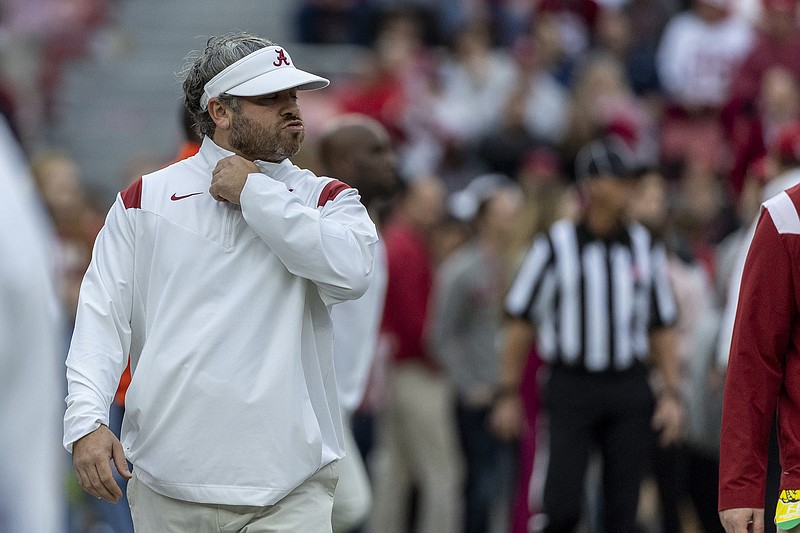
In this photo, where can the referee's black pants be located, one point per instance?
(608, 412)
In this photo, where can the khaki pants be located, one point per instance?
(306, 508)
(418, 445)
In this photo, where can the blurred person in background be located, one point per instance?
(594, 294)
(417, 435)
(686, 472)
(697, 55)
(634, 47)
(76, 222)
(544, 101)
(476, 83)
(31, 355)
(534, 118)
(747, 207)
(357, 150)
(394, 61)
(237, 383)
(399, 67)
(775, 47)
(603, 101)
(550, 47)
(575, 23)
(752, 132)
(702, 198)
(464, 329)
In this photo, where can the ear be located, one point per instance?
(220, 114)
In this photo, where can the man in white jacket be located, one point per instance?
(358, 150)
(217, 274)
(31, 328)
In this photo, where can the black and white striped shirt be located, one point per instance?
(594, 300)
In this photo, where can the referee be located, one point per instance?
(595, 295)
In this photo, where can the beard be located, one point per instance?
(256, 142)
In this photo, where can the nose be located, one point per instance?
(289, 104)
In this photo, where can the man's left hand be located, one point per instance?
(229, 177)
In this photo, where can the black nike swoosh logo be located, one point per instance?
(175, 196)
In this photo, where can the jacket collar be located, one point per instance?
(210, 153)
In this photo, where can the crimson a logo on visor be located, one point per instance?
(282, 59)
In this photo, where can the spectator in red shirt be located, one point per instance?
(417, 439)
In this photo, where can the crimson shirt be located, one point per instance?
(405, 313)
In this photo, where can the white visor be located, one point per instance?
(265, 71)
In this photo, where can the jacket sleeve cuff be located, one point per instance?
(752, 498)
(80, 428)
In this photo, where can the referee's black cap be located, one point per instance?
(607, 156)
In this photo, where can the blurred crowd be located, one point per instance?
(487, 103)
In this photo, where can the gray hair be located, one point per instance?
(220, 52)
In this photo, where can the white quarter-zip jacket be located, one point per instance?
(225, 312)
